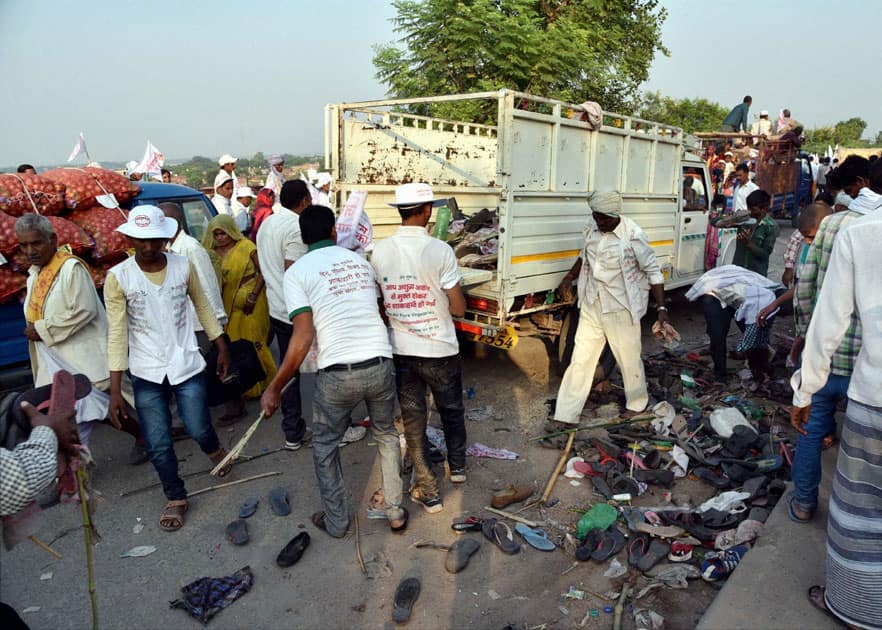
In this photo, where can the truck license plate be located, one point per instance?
(506, 339)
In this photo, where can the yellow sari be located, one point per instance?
(239, 277)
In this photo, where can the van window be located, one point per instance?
(198, 217)
(694, 190)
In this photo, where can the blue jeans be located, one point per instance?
(806, 472)
(337, 392)
(443, 376)
(152, 404)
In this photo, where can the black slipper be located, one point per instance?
(740, 442)
(237, 532)
(656, 551)
(469, 525)
(737, 472)
(293, 551)
(774, 492)
(659, 477)
(601, 487)
(755, 486)
(405, 597)
(278, 497)
(716, 519)
(504, 538)
(611, 542)
(460, 553)
(652, 458)
(712, 477)
(584, 551)
(487, 529)
(637, 549)
(620, 484)
(248, 507)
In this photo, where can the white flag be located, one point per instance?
(152, 162)
(79, 148)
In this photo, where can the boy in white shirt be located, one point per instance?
(420, 282)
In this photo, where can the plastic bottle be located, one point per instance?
(442, 222)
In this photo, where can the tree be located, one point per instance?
(845, 133)
(573, 50)
(692, 114)
(849, 132)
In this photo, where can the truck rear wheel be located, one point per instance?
(567, 341)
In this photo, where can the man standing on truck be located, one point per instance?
(755, 244)
(331, 294)
(737, 118)
(419, 279)
(150, 333)
(67, 326)
(616, 270)
(279, 246)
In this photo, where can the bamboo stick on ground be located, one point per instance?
(233, 483)
(511, 516)
(619, 423)
(560, 464)
(44, 546)
(87, 528)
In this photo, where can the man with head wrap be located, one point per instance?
(276, 176)
(615, 271)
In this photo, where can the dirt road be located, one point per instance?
(326, 589)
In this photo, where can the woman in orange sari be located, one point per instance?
(244, 300)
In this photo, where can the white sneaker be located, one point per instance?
(353, 434)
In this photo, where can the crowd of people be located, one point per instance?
(177, 314)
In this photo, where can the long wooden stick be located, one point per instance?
(605, 425)
(44, 546)
(560, 464)
(358, 547)
(232, 483)
(87, 528)
(234, 452)
(511, 516)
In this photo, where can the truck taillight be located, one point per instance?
(482, 304)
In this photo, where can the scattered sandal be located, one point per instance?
(500, 534)
(611, 542)
(172, 518)
(405, 597)
(459, 554)
(237, 532)
(471, 524)
(248, 507)
(293, 551)
(657, 551)
(278, 497)
(536, 538)
(511, 494)
(720, 566)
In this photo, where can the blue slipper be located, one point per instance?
(248, 507)
(792, 514)
(536, 538)
(278, 497)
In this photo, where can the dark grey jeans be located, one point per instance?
(336, 394)
(293, 424)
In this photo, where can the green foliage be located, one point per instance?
(199, 171)
(845, 133)
(572, 50)
(692, 114)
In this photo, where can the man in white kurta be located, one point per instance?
(616, 270)
(67, 325)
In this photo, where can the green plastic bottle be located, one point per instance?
(442, 222)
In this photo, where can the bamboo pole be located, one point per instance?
(234, 452)
(44, 546)
(620, 423)
(560, 464)
(87, 528)
(232, 483)
(511, 516)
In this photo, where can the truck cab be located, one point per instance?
(15, 371)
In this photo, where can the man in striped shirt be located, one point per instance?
(866, 187)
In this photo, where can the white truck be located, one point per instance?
(536, 167)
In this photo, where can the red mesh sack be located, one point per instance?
(71, 234)
(120, 186)
(101, 223)
(11, 284)
(98, 274)
(18, 190)
(8, 240)
(80, 188)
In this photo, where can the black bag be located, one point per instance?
(245, 372)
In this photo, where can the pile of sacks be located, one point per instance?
(83, 206)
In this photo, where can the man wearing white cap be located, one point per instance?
(130, 171)
(616, 269)
(223, 193)
(763, 126)
(227, 163)
(241, 208)
(323, 185)
(150, 333)
(276, 177)
(420, 283)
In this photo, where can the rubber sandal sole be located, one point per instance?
(248, 507)
(459, 554)
(406, 594)
(610, 543)
(237, 532)
(656, 552)
(293, 551)
(278, 498)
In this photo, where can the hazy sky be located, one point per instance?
(206, 78)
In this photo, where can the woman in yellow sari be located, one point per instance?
(244, 299)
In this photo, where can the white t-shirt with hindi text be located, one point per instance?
(339, 287)
(415, 271)
(278, 240)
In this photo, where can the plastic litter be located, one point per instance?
(482, 450)
(608, 610)
(664, 416)
(725, 501)
(615, 569)
(724, 420)
(690, 403)
(681, 458)
(481, 414)
(648, 620)
(575, 483)
(600, 516)
(138, 552)
(674, 575)
(31, 609)
(436, 437)
(563, 610)
(139, 526)
(46, 576)
(688, 381)
(574, 593)
(595, 612)
(570, 472)
(493, 595)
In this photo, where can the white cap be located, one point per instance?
(275, 159)
(408, 195)
(148, 222)
(322, 179)
(765, 112)
(130, 166)
(226, 158)
(222, 178)
(245, 191)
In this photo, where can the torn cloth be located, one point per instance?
(206, 597)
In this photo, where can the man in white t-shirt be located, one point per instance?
(743, 188)
(420, 283)
(278, 247)
(331, 294)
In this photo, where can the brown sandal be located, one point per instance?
(216, 459)
(172, 518)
